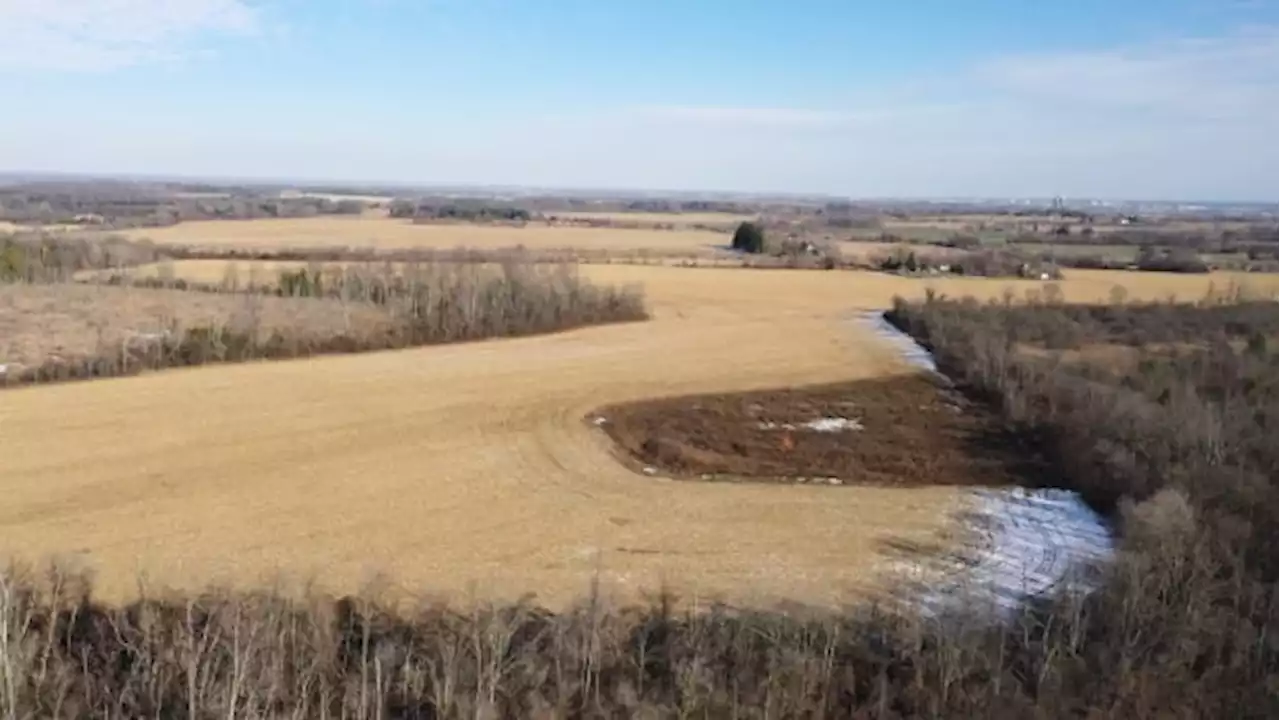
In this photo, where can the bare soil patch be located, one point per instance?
(903, 430)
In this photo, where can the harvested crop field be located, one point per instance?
(898, 431)
(468, 469)
(383, 232)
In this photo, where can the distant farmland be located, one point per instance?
(381, 232)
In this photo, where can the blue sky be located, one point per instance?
(1173, 99)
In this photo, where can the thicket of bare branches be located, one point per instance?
(43, 257)
(418, 304)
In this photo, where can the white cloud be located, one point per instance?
(95, 35)
(1191, 118)
(1214, 77)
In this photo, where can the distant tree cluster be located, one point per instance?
(982, 263)
(748, 238)
(474, 211)
(1177, 259)
(688, 206)
(122, 206)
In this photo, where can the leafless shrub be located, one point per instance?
(279, 654)
(1184, 448)
(417, 303)
(45, 257)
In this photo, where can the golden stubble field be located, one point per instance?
(467, 470)
(373, 231)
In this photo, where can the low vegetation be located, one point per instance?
(894, 431)
(351, 309)
(37, 257)
(978, 263)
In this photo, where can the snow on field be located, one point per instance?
(1031, 541)
(822, 425)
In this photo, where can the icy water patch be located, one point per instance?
(1032, 542)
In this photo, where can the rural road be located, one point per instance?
(466, 471)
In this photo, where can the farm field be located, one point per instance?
(676, 218)
(377, 231)
(468, 469)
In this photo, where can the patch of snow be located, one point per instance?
(1036, 541)
(824, 425)
(911, 351)
(650, 470)
(598, 421)
(833, 424)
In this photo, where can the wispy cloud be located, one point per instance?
(95, 35)
(746, 116)
(1207, 77)
(1193, 117)
(779, 118)
(1225, 78)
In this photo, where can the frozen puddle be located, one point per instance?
(1031, 542)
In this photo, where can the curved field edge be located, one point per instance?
(910, 430)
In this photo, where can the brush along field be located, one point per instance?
(39, 322)
(373, 231)
(469, 470)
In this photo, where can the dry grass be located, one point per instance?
(320, 310)
(467, 468)
(379, 232)
(40, 321)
